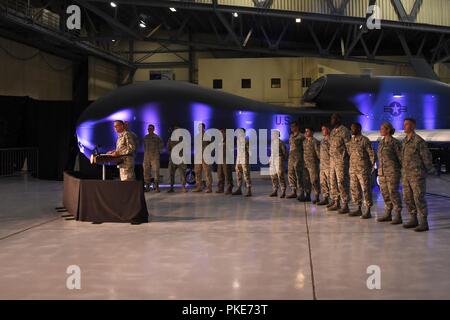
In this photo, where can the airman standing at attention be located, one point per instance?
(311, 151)
(295, 162)
(126, 148)
(325, 166)
(153, 146)
(362, 165)
(174, 167)
(416, 163)
(339, 179)
(243, 164)
(203, 166)
(225, 170)
(277, 165)
(389, 173)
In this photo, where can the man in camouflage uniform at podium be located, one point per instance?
(126, 148)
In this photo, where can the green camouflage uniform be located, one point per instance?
(416, 162)
(153, 146)
(362, 161)
(389, 172)
(243, 166)
(311, 154)
(339, 179)
(174, 167)
(224, 170)
(203, 167)
(325, 166)
(295, 162)
(277, 167)
(126, 147)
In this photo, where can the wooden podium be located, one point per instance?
(106, 160)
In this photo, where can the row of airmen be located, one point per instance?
(340, 165)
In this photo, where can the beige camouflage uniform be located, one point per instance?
(416, 162)
(389, 172)
(174, 167)
(224, 170)
(362, 161)
(203, 167)
(243, 166)
(339, 179)
(277, 167)
(153, 146)
(295, 162)
(311, 155)
(126, 147)
(325, 166)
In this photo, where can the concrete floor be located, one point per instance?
(201, 246)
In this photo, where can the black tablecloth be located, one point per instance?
(104, 201)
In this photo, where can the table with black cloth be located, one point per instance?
(104, 201)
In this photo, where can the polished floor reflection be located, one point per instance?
(201, 246)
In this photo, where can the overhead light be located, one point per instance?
(397, 95)
(113, 40)
(298, 20)
(235, 14)
(142, 24)
(173, 9)
(113, 4)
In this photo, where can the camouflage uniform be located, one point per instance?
(126, 147)
(311, 154)
(416, 162)
(243, 166)
(224, 170)
(389, 173)
(339, 179)
(153, 146)
(203, 167)
(173, 167)
(295, 162)
(277, 167)
(362, 161)
(325, 166)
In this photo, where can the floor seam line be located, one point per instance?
(310, 255)
(28, 228)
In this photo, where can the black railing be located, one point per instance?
(19, 160)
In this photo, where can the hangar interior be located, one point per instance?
(200, 246)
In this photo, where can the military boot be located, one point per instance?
(274, 193)
(316, 199)
(283, 194)
(197, 189)
(249, 192)
(324, 202)
(412, 222)
(367, 214)
(220, 190)
(356, 213)
(208, 190)
(330, 204)
(301, 197)
(229, 190)
(238, 192)
(335, 207)
(157, 188)
(146, 187)
(397, 217)
(344, 209)
(423, 225)
(293, 195)
(386, 217)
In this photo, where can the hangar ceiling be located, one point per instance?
(253, 28)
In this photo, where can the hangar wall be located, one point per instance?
(103, 77)
(295, 75)
(27, 71)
